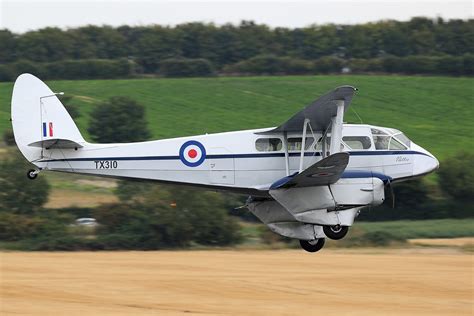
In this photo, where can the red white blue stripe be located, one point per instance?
(48, 129)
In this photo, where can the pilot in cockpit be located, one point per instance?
(381, 142)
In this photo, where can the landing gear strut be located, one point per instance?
(312, 245)
(335, 232)
(32, 174)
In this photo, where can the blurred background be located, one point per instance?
(165, 69)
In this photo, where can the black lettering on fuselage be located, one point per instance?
(106, 164)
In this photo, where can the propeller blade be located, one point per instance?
(392, 192)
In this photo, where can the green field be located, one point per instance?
(435, 228)
(435, 112)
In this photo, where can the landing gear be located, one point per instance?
(335, 232)
(32, 174)
(312, 245)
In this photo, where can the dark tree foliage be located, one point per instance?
(8, 51)
(271, 65)
(155, 216)
(71, 108)
(132, 190)
(18, 194)
(410, 194)
(41, 226)
(207, 215)
(418, 46)
(229, 44)
(119, 119)
(326, 65)
(8, 137)
(411, 202)
(185, 67)
(456, 176)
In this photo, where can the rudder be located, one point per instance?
(40, 120)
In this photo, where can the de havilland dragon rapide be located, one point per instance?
(307, 178)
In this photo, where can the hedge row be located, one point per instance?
(259, 65)
(442, 65)
(184, 67)
(69, 69)
(104, 69)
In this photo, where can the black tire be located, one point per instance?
(31, 174)
(312, 245)
(335, 232)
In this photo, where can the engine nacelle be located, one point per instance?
(336, 204)
(280, 221)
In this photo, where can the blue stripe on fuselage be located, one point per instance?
(353, 174)
(254, 155)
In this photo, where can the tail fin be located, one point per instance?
(40, 120)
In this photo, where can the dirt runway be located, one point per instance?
(285, 282)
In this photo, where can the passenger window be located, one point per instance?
(268, 144)
(294, 143)
(319, 144)
(357, 142)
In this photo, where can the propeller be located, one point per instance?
(392, 192)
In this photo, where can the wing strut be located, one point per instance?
(287, 157)
(303, 140)
(336, 128)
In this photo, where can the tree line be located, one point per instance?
(197, 49)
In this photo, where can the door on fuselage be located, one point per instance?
(357, 141)
(221, 167)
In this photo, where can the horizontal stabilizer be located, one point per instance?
(55, 143)
(324, 172)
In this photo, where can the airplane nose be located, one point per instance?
(425, 162)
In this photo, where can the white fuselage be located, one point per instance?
(231, 160)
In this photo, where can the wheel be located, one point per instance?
(312, 245)
(335, 232)
(32, 174)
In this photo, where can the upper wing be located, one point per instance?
(320, 112)
(324, 172)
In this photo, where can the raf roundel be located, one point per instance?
(192, 153)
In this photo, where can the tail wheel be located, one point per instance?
(313, 245)
(32, 174)
(335, 232)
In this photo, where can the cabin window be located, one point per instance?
(377, 132)
(383, 141)
(395, 145)
(268, 144)
(319, 143)
(405, 140)
(357, 142)
(295, 143)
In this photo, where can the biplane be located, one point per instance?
(306, 179)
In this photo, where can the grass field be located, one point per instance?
(289, 282)
(437, 228)
(433, 111)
